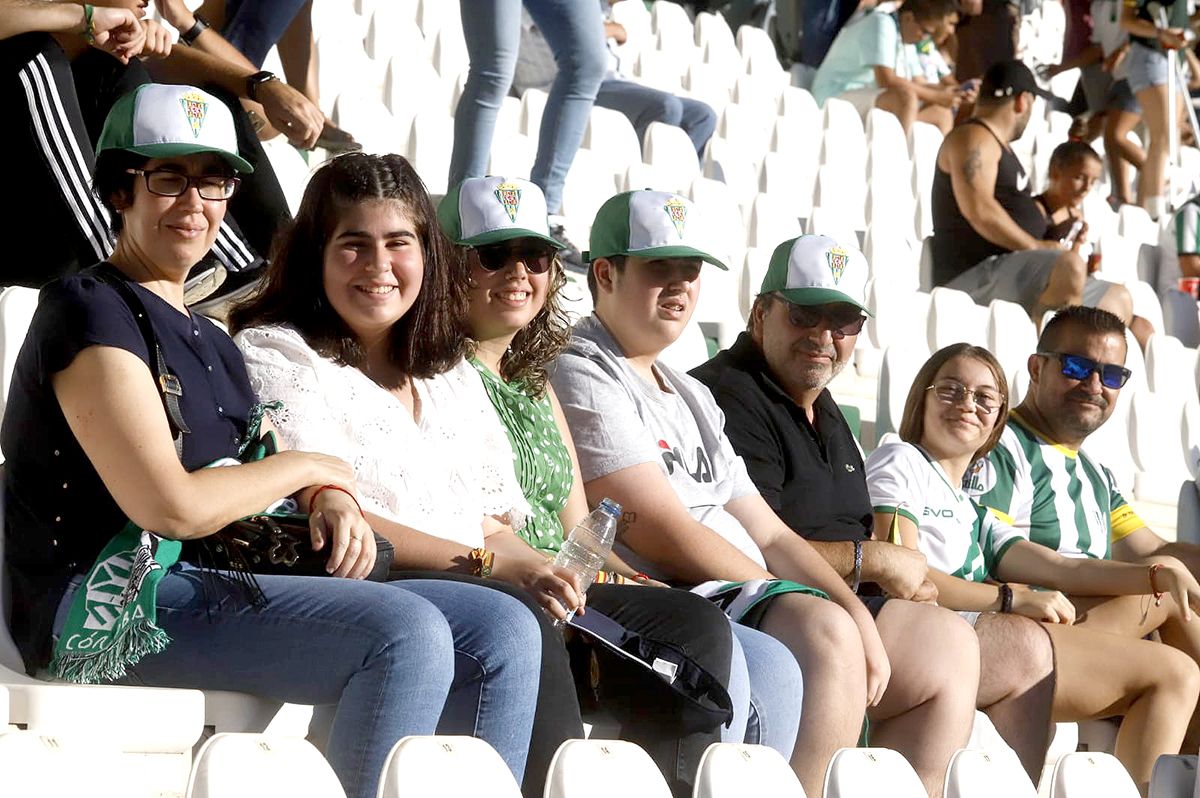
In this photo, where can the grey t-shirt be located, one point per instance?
(619, 420)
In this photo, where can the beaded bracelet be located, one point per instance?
(89, 23)
(1006, 598)
(313, 499)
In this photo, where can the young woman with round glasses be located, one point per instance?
(954, 414)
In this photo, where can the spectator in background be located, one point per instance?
(987, 34)
(1074, 169)
(640, 103)
(989, 235)
(574, 30)
(254, 27)
(65, 90)
(1147, 71)
(869, 64)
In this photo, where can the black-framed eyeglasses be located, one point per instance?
(839, 321)
(986, 400)
(1078, 367)
(166, 183)
(537, 259)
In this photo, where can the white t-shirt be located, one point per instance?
(957, 536)
(619, 420)
(440, 474)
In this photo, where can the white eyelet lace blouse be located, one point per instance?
(440, 475)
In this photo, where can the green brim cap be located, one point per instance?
(485, 210)
(160, 120)
(649, 224)
(817, 270)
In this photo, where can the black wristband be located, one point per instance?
(1006, 598)
(256, 80)
(189, 36)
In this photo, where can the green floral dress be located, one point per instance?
(540, 459)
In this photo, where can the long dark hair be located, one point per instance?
(431, 336)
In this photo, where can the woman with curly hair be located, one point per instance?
(518, 326)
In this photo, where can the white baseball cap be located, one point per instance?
(486, 210)
(648, 224)
(160, 120)
(817, 270)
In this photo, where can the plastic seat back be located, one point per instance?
(590, 769)
(254, 765)
(732, 770)
(445, 766)
(855, 772)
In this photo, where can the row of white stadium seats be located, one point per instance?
(254, 765)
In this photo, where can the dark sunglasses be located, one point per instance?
(494, 257)
(1078, 367)
(839, 322)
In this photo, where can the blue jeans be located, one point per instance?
(767, 689)
(574, 30)
(255, 26)
(395, 658)
(643, 105)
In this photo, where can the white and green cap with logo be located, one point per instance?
(817, 270)
(649, 224)
(486, 210)
(160, 120)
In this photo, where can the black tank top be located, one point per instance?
(956, 245)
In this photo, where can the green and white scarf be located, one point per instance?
(111, 624)
(112, 620)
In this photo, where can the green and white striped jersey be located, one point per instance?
(1051, 494)
(957, 536)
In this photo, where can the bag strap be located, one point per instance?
(169, 386)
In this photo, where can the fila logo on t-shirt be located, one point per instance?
(672, 455)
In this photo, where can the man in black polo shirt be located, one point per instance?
(802, 456)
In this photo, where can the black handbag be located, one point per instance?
(263, 543)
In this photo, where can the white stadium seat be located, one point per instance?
(255, 765)
(900, 366)
(712, 32)
(855, 772)
(533, 104)
(590, 768)
(1173, 776)
(370, 121)
(610, 135)
(730, 770)
(1011, 336)
(42, 766)
(978, 774)
(1087, 774)
(840, 191)
(1156, 447)
(689, 350)
(448, 767)
(772, 222)
(754, 269)
(669, 149)
(955, 318)
(890, 255)
(708, 83)
(429, 145)
(17, 305)
(827, 222)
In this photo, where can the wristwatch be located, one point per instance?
(189, 36)
(256, 80)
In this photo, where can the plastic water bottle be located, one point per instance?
(584, 551)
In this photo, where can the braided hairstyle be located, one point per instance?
(430, 338)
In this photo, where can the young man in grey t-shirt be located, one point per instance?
(652, 439)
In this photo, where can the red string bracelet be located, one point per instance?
(313, 499)
(1158, 594)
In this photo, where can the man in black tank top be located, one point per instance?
(987, 230)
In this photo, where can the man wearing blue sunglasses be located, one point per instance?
(1038, 480)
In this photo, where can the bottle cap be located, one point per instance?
(610, 507)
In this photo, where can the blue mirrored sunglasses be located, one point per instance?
(1078, 367)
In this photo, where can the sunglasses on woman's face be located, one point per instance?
(494, 257)
(1078, 367)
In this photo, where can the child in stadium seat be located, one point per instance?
(652, 438)
(89, 440)
(870, 65)
(518, 325)
(954, 415)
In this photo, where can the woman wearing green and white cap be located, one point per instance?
(96, 450)
(518, 326)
